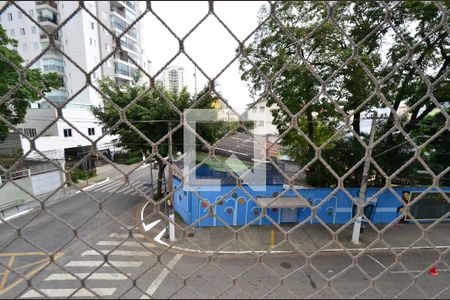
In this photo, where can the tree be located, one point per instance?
(15, 107)
(316, 42)
(150, 117)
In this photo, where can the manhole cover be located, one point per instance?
(286, 265)
(190, 234)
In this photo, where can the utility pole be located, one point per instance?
(365, 177)
(195, 80)
(170, 189)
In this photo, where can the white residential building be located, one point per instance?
(262, 115)
(87, 43)
(172, 78)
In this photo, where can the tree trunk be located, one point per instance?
(309, 118)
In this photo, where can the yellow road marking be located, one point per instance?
(32, 264)
(6, 274)
(22, 254)
(29, 274)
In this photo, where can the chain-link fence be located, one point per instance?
(358, 93)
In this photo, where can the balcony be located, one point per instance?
(51, 4)
(130, 5)
(128, 44)
(120, 25)
(122, 70)
(48, 22)
(56, 37)
(54, 68)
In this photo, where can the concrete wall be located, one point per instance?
(332, 207)
(9, 192)
(11, 145)
(40, 119)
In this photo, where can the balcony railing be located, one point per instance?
(53, 68)
(124, 70)
(53, 19)
(128, 44)
(57, 98)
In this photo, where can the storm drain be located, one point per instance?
(286, 265)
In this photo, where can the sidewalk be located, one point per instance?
(307, 238)
(103, 173)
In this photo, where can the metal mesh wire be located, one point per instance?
(269, 79)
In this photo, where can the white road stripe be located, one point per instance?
(59, 293)
(108, 186)
(125, 190)
(96, 263)
(125, 235)
(95, 276)
(132, 187)
(155, 284)
(117, 253)
(125, 244)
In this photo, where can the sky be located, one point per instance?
(209, 45)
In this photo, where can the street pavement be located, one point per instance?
(138, 267)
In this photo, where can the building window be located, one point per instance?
(10, 18)
(24, 47)
(33, 29)
(261, 123)
(90, 41)
(95, 43)
(104, 130)
(12, 32)
(107, 47)
(30, 132)
(35, 46)
(253, 109)
(31, 13)
(22, 31)
(261, 108)
(91, 131)
(67, 132)
(20, 15)
(92, 25)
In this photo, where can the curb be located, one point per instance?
(158, 240)
(50, 203)
(87, 188)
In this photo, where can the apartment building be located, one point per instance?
(262, 115)
(86, 43)
(172, 79)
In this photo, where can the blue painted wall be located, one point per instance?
(235, 207)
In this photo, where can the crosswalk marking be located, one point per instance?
(96, 263)
(117, 253)
(121, 187)
(94, 276)
(108, 186)
(59, 293)
(125, 235)
(125, 244)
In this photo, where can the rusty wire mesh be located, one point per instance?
(297, 57)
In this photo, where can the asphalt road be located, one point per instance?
(134, 268)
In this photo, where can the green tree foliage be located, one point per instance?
(149, 118)
(337, 51)
(15, 107)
